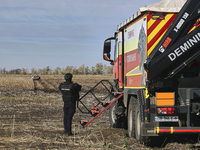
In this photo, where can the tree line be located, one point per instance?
(98, 69)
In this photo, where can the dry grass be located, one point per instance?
(48, 82)
(9, 82)
(34, 119)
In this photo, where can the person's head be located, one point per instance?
(68, 77)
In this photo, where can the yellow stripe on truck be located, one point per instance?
(154, 45)
(150, 23)
(159, 26)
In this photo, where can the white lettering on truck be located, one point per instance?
(130, 34)
(161, 49)
(131, 57)
(184, 47)
(181, 21)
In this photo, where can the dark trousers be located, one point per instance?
(69, 110)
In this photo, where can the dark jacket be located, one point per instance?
(70, 91)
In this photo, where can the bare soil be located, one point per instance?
(33, 119)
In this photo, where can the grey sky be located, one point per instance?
(40, 33)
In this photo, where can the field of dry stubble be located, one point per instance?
(31, 117)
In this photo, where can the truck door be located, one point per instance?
(117, 69)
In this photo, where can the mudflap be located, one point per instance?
(148, 128)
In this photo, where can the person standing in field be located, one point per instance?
(70, 94)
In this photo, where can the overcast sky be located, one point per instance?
(41, 33)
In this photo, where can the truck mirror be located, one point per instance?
(107, 49)
(107, 46)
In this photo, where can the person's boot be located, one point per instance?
(69, 134)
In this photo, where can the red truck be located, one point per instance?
(156, 69)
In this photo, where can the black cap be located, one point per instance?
(68, 76)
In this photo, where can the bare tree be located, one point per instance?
(34, 71)
(93, 70)
(57, 70)
(108, 70)
(24, 71)
(99, 68)
(81, 69)
(87, 70)
(48, 70)
(4, 71)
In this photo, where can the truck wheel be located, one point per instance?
(131, 117)
(117, 119)
(113, 116)
(137, 123)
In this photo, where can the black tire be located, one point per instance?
(134, 120)
(117, 120)
(134, 123)
(131, 117)
(138, 122)
(113, 118)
